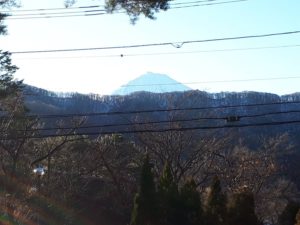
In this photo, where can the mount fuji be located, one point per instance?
(151, 82)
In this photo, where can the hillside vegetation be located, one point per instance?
(202, 158)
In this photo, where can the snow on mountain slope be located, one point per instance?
(151, 82)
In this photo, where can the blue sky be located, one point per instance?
(85, 73)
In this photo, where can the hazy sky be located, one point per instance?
(84, 72)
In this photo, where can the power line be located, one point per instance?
(89, 7)
(160, 121)
(266, 114)
(50, 116)
(192, 2)
(207, 4)
(216, 81)
(12, 17)
(58, 13)
(162, 53)
(53, 9)
(58, 16)
(174, 44)
(65, 9)
(158, 130)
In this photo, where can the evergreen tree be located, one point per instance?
(191, 207)
(216, 204)
(288, 215)
(9, 88)
(134, 8)
(168, 198)
(241, 210)
(145, 202)
(11, 100)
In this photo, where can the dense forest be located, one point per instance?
(197, 157)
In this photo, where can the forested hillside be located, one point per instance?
(183, 156)
(197, 106)
(258, 113)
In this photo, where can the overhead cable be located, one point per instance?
(161, 53)
(191, 2)
(53, 9)
(57, 16)
(59, 13)
(159, 44)
(182, 129)
(12, 17)
(214, 82)
(224, 118)
(89, 7)
(50, 116)
(206, 4)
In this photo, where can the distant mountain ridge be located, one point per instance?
(152, 82)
